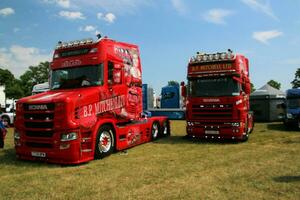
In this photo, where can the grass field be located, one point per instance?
(265, 167)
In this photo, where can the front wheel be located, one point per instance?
(105, 142)
(247, 131)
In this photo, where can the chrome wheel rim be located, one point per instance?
(154, 130)
(165, 131)
(105, 142)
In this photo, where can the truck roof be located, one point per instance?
(293, 92)
(218, 63)
(90, 52)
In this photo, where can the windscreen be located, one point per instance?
(77, 77)
(293, 102)
(213, 87)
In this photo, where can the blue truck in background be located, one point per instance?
(169, 103)
(170, 97)
(292, 108)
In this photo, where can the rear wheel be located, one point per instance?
(165, 129)
(155, 130)
(105, 142)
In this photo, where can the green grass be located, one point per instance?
(265, 167)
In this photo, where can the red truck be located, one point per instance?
(93, 107)
(217, 99)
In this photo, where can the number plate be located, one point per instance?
(212, 132)
(38, 154)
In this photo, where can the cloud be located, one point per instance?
(61, 3)
(179, 6)
(115, 6)
(6, 11)
(258, 5)
(109, 17)
(217, 16)
(64, 3)
(17, 58)
(265, 36)
(71, 15)
(88, 28)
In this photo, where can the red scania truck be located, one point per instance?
(217, 101)
(93, 107)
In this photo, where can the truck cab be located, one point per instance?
(93, 107)
(292, 108)
(217, 101)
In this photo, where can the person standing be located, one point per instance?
(2, 134)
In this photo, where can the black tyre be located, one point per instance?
(105, 142)
(5, 121)
(165, 129)
(247, 131)
(155, 130)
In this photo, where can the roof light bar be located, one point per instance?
(61, 45)
(203, 57)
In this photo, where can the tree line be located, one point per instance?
(16, 88)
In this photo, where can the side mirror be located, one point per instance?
(247, 89)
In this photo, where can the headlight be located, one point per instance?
(68, 136)
(16, 135)
(236, 124)
(289, 116)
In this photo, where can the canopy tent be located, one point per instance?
(265, 103)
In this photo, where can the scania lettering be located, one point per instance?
(93, 107)
(217, 101)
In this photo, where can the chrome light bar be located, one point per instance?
(74, 43)
(203, 57)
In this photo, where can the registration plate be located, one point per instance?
(211, 132)
(38, 154)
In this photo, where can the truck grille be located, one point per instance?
(212, 111)
(39, 119)
(38, 124)
(39, 133)
(38, 145)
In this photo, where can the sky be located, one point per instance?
(168, 33)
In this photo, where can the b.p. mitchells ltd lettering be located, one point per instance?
(104, 106)
(212, 67)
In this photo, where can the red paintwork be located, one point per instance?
(206, 115)
(85, 110)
